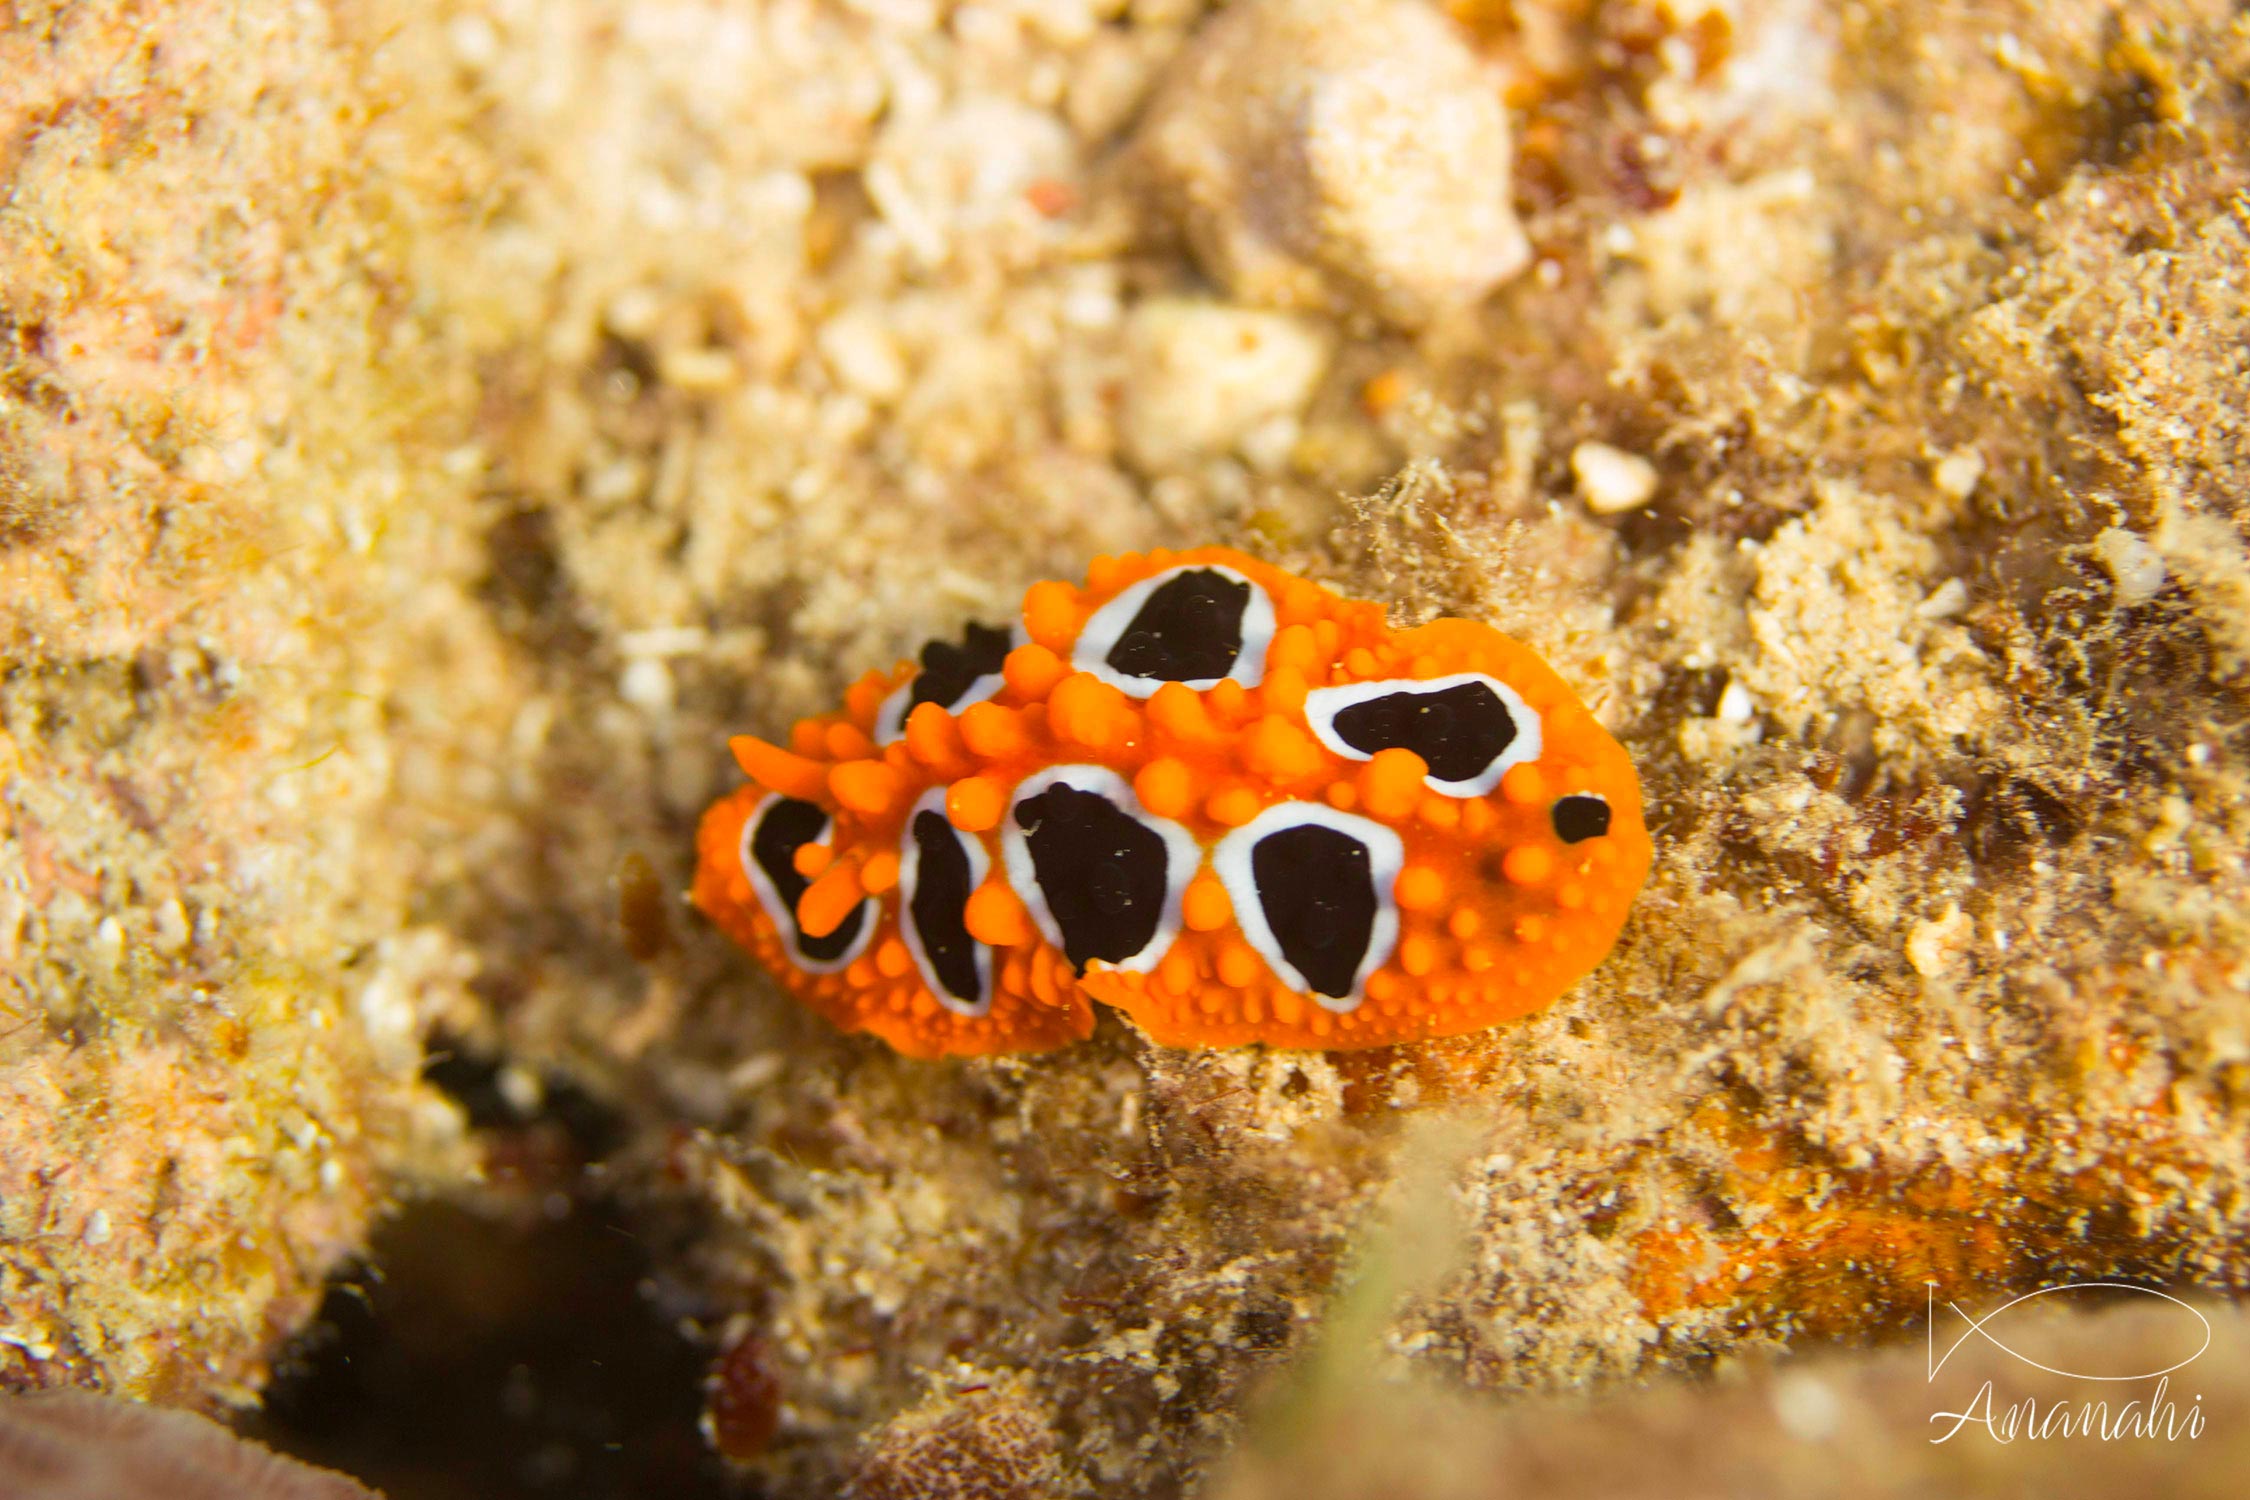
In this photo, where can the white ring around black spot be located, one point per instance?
(1386, 856)
(1182, 854)
(890, 718)
(1109, 623)
(1322, 705)
(909, 880)
(783, 918)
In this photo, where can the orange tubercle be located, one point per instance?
(1528, 864)
(1050, 615)
(1204, 906)
(1233, 807)
(933, 738)
(995, 916)
(1281, 751)
(771, 766)
(828, 900)
(848, 742)
(1177, 712)
(1391, 783)
(866, 786)
(1420, 888)
(1166, 787)
(975, 803)
(993, 733)
(1033, 670)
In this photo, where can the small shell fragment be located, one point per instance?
(1611, 480)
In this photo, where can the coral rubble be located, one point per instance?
(1338, 152)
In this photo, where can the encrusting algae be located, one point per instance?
(1211, 794)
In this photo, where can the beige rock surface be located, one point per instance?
(1338, 153)
(223, 536)
(68, 1445)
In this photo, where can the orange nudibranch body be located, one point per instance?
(1200, 789)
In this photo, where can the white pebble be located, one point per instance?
(1937, 945)
(171, 926)
(634, 312)
(698, 371)
(2136, 569)
(860, 351)
(1610, 480)
(1946, 600)
(109, 941)
(1203, 375)
(521, 1088)
(665, 640)
(646, 683)
(1958, 474)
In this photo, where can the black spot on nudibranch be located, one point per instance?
(1101, 871)
(1579, 817)
(1312, 892)
(1189, 629)
(941, 895)
(952, 677)
(1459, 730)
(784, 826)
(949, 671)
(1317, 891)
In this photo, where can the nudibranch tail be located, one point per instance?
(1200, 789)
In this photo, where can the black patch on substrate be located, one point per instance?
(783, 829)
(1318, 894)
(1458, 730)
(948, 671)
(941, 894)
(1101, 870)
(1579, 817)
(1188, 629)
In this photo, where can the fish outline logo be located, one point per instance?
(1978, 1327)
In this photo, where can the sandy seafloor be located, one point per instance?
(428, 430)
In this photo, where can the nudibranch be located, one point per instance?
(1200, 789)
